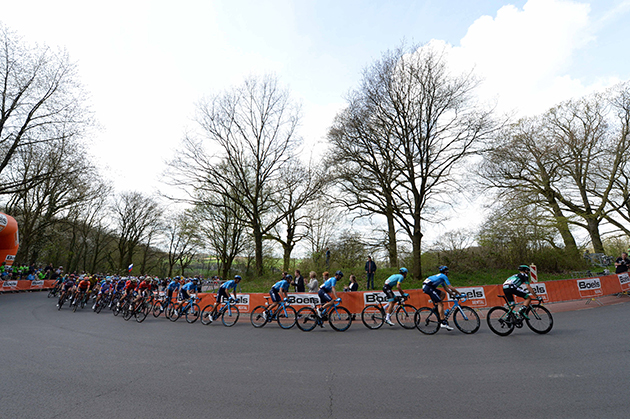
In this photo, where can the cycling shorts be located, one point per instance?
(387, 289)
(323, 296)
(184, 294)
(434, 293)
(510, 291)
(222, 295)
(275, 295)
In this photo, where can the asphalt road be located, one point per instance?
(60, 364)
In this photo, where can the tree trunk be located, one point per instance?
(593, 232)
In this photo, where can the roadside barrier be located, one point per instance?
(478, 296)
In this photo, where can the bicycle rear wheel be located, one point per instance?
(192, 313)
(206, 315)
(157, 309)
(339, 318)
(373, 316)
(286, 317)
(540, 319)
(257, 317)
(141, 312)
(467, 320)
(306, 319)
(173, 312)
(405, 316)
(230, 316)
(499, 321)
(426, 320)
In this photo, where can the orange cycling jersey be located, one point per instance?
(84, 284)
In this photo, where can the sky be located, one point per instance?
(147, 63)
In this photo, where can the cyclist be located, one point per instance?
(128, 290)
(279, 292)
(188, 287)
(326, 290)
(68, 286)
(143, 290)
(511, 288)
(390, 282)
(172, 287)
(430, 287)
(82, 288)
(223, 293)
(105, 288)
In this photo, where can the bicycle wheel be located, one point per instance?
(157, 309)
(192, 313)
(499, 321)
(373, 316)
(405, 316)
(257, 317)
(141, 312)
(75, 305)
(467, 320)
(286, 317)
(100, 305)
(230, 316)
(340, 318)
(306, 319)
(173, 312)
(206, 315)
(51, 293)
(127, 312)
(540, 319)
(426, 320)
(62, 300)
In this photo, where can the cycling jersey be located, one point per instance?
(329, 284)
(516, 280)
(120, 285)
(281, 285)
(191, 286)
(105, 287)
(437, 280)
(173, 285)
(84, 284)
(394, 280)
(231, 284)
(130, 285)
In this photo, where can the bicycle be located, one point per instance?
(54, 291)
(79, 299)
(284, 314)
(502, 321)
(188, 307)
(338, 316)
(373, 315)
(427, 320)
(161, 305)
(228, 312)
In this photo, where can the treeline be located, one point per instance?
(411, 143)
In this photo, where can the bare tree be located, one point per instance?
(183, 240)
(426, 120)
(136, 217)
(41, 101)
(253, 127)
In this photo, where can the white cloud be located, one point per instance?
(524, 56)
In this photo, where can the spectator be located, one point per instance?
(312, 283)
(298, 282)
(353, 285)
(622, 263)
(370, 269)
(327, 259)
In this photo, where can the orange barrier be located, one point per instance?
(9, 239)
(482, 296)
(23, 285)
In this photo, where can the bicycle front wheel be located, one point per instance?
(467, 320)
(340, 318)
(405, 316)
(426, 320)
(192, 313)
(373, 316)
(499, 321)
(173, 312)
(286, 317)
(257, 317)
(141, 312)
(540, 319)
(306, 319)
(230, 316)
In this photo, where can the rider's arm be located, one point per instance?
(531, 290)
(334, 292)
(400, 289)
(451, 290)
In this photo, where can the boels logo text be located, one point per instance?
(303, 299)
(374, 298)
(539, 288)
(589, 284)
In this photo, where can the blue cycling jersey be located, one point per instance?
(191, 286)
(281, 285)
(437, 280)
(120, 285)
(231, 284)
(395, 279)
(173, 285)
(329, 284)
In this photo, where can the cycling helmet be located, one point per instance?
(403, 270)
(524, 268)
(443, 269)
(339, 273)
(288, 277)
(237, 277)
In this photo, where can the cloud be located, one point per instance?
(525, 56)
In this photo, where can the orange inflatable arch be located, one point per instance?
(9, 238)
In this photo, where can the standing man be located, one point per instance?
(370, 269)
(298, 282)
(622, 263)
(327, 258)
